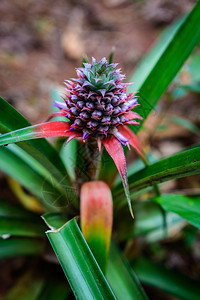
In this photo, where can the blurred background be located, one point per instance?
(41, 44)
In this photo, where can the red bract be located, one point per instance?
(96, 211)
(96, 106)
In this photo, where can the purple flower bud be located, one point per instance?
(96, 114)
(120, 137)
(74, 98)
(116, 121)
(92, 124)
(60, 105)
(123, 96)
(103, 129)
(78, 122)
(132, 102)
(80, 104)
(117, 110)
(109, 108)
(106, 119)
(69, 116)
(89, 105)
(69, 103)
(85, 134)
(125, 106)
(84, 115)
(123, 119)
(115, 101)
(74, 111)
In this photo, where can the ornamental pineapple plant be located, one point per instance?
(96, 107)
(96, 112)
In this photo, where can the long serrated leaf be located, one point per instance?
(16, 221)
(40, 130)
(187, 207)
(122, 279)
(21, 227)
(49, 194)
(55, 220)
(160, 67)
(165, 279)
(68, 153)
(8, 209)
(48, 129)
(60, 185)
(79, 265)
(148, 223)
(40, 149)
(12, 247)
(137, 165)
(176, 166)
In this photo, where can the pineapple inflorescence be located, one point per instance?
(97, 103)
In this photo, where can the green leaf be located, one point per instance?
(176, 166)
(49, 194)
(165, 279)
(12, 247)
(136, 165)
(23, 134)
(148, 222)
(12, 210)
(160, 67)
(55, 220)
(187, 207)
(122, 279)
(21, 227)
(79, 265)
(37, 153)
(41, 170)
(69, 156)
(40, 149)
(19, 222)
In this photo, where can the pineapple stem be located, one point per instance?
(93, 158)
